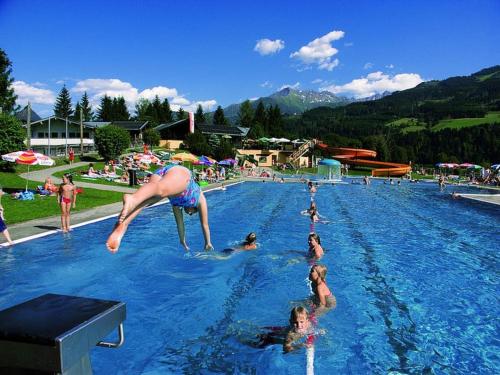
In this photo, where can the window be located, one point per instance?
(73, 135)
(86, 135)
(262, 159)
(54, 135)
(42, 135)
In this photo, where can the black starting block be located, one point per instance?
(53, 334)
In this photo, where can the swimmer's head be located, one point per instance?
(299, 319)
(319, 270)
(314, 236)
(190, 210)
(251, 238)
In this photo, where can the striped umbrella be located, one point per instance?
(28, 158)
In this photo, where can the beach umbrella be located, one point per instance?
(447, 165)
(298, 141)
(147, 158)
(466, 165)
(204, 160)
(263, 139)
(282, 140)
(28, 158)
(474, 166)
(495, 167)
(227, 162)
(273, 140)
(185, 156)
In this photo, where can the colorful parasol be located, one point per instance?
(28, 158)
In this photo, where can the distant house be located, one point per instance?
(54, 135)
(172, 134)
(135, 129)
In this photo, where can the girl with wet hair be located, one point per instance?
(323, 298)
(315, 249)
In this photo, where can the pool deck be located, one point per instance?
(486, 198)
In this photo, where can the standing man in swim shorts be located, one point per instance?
(175, 183)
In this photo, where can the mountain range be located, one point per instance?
(294, 102)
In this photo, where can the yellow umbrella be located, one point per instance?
(185, 156)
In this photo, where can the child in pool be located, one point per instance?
(323, 298)
(315, 249)
(314, 215)
(301, 325)
(250, 242)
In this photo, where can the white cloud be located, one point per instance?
(162, 92)
(266, 84)
(207, 106)
(254, 99)
(96, 88)
(376, 82)
(29, 93)
(320, 51)
(368, 65)
(294, 86)
(60, 82)
(317, 80)
(390, 66)
(268, 46)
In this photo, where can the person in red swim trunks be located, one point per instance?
(66, 197)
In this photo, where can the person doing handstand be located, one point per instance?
(175, 183)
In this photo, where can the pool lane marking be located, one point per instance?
(54, 231)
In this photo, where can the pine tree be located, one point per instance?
(86, 108)
(143, 110)
(199, 116)
(166, 111)
(62, 108)
(120, 111)
(7, 95)
(157, 110)
(76, 114)
(105, 110)
(219, 118)
(181, 114)
(245, 114)
(260, 117)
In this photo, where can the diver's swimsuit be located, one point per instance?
(189, 197)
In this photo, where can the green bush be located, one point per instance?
(111, 141)
(151, 137)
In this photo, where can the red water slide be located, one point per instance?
(353, 156)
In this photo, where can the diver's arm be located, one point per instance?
(179, 220)
(203, 210)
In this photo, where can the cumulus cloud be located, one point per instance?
(161, 91)
(266, 84)
(376, 82)
(317, 80)
(29, 93)
(207, 105)
(368, 65)
(96, 88)
(268, 46)
(294, 86)
(320, 51)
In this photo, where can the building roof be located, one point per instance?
(171, 124)
(96, 124)
(223, 130)
(23, 115)
(131, 125)
(46, 119)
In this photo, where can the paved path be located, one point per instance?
(42, 174)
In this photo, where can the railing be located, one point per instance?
(294, 157)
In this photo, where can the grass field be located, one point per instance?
(490, 118)
(44, 206)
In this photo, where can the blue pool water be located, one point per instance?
(415, 274)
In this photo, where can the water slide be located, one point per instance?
(355, 156)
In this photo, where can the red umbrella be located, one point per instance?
(28, 158)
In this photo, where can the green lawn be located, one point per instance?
(17, 211)
(490, 118)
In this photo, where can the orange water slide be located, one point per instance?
(353, 156)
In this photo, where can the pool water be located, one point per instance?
(415, 274)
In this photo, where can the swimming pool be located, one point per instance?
(415, 274)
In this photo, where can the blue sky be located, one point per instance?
(223, 52)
